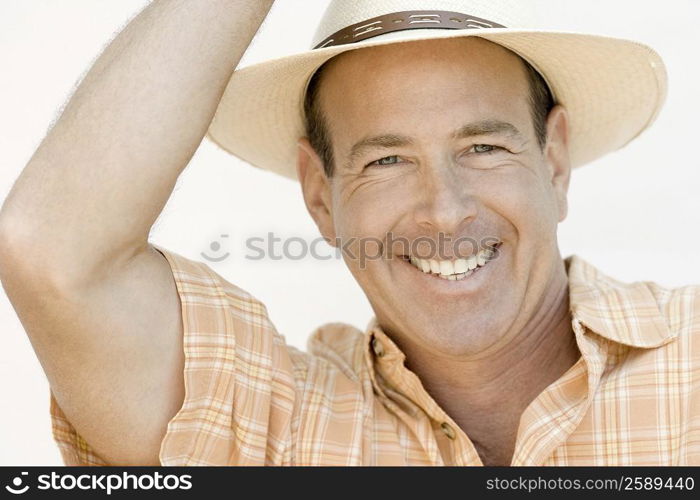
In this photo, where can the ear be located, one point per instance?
(556, 155)
(316, 189)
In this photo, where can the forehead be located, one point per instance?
(413, 83)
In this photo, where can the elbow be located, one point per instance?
(14, 251)
(9, 243)
(30, 261)
(24, 256)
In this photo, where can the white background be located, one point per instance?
(635, 213)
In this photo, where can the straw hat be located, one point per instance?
(612, 88)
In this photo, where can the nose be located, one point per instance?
(446, 202)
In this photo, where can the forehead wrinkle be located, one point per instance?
(350, 61)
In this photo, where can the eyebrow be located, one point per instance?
(488, 127)
(482, 127)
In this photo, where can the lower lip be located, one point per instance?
(470, 281)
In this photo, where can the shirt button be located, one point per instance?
(448, 430)
(378, 348)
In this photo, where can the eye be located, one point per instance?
(485, 148)
(387, 160)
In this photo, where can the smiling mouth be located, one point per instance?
(456, 269)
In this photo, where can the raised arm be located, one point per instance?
(98, 303)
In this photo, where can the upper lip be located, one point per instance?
(451, 255)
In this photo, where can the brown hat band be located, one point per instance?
(406, 20)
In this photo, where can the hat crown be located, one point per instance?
(343, 13)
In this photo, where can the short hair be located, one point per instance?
(541, 103)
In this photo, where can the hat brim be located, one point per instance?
(613, 89)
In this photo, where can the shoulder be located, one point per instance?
(199, 284)
(225, 322)
(210, 303)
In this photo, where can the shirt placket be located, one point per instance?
(551, 417)
(442, 439)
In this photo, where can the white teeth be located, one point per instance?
(453, 270)
(425, 265)
(434, 266)
(446, 267)
(461, 266)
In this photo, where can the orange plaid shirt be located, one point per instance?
(632, 398)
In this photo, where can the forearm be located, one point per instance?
(100, 178)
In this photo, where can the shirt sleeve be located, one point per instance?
(238, 378)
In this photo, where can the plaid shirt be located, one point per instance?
(632, 398)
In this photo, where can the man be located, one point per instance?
(495, 352)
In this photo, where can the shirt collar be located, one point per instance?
(626, 313)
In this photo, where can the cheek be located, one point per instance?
(523, 199)
(371, 209)
(363, 217)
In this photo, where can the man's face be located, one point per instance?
(436, 137)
